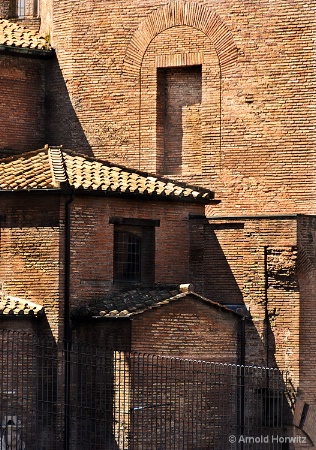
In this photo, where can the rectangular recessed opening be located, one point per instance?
(179, 96)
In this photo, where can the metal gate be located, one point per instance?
(72, 396)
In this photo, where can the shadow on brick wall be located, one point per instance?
(63, 126)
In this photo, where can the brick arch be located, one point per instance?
(179, 13)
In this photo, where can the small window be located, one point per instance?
(134, 251)
(26, 8)
(21, 8)
(127, 256)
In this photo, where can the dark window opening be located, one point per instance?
(127, 256)
(21, 8)
(134, 254)
(26, 8)
(179, 96)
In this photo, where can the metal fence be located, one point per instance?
(72, 396)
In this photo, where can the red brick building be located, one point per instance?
(216, 95)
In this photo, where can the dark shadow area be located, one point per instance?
(216, 269)
(22, 91)
(62, 124)
(123, 400)
(20, 210)
(29, 390)
(211, 272)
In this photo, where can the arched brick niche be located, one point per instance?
(181, 13)
(182, 49)
(180, 87)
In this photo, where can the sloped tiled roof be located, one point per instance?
(27, 171)
(53, 168)
(14, 35)
(13, 306)
(138, 300)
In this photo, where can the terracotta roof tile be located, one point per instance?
(13, 306)
(127, 303)
(14, 35)
(139, 300)
(27, 171)
(53, 167)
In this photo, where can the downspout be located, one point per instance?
(241, 417)
(266, 311)
(242, 340)
(67, 327)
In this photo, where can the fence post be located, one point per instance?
(67, 381)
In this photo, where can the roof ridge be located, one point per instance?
(56, 161)
(137, 300)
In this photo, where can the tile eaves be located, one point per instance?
(17, 38)
(26, 171)
(55, 168)
(14, 306)
(137, 301)
(89, 173)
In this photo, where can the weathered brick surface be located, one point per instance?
(22, 93)
(188, 328)
(306, 279)
(33, 247)
(256, 149)
(30, 255)
(27, 14)
(257, 126)
(111, 334)
(92, 271)
(8, 9)
(253, 262)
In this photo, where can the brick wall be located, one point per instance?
(253, 262)
(306, 279)
(190, 65)
(33, 246)
(111, 334)
(92, 242)
(188, 328)
(179, 100)
(257, 139)
(58, 105)
(46, 17)
(257, 144)
(22, 91)
(30, 254)
(21, 325)
(6, 8)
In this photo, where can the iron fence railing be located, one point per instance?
(73, 396)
